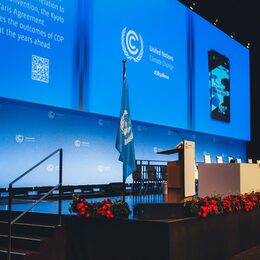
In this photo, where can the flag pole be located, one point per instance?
(124, 166)
(123, 187)
(125, 136)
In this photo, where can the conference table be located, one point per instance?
(228, 178)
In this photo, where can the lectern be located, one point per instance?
(181, 173)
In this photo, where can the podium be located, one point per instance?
(181, 173)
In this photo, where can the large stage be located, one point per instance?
(214, 237)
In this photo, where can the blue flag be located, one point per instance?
(125, 137)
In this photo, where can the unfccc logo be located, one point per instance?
(19, 138)
(77, 143)
(132, 45)
(51, 114)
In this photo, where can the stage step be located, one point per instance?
(19, 254)
(23, 242)
(28, 229)
(32, 218)
(31, 239)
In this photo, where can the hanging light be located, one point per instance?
(232, 35)
(248, 45)
(215, 22)
(192, 7)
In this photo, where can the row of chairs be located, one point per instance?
(149, 178)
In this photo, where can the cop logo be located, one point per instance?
(19, 139)
(100, 122)
(77, 143)
(51, 114)
(132, 45)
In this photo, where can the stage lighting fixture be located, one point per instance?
(232, 35)
(216, 22)
(248, 45)
(192, 7)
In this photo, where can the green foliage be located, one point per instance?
(120, 209)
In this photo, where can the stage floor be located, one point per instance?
(51, 206)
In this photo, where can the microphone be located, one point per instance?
(180, 144)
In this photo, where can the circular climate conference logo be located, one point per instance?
(19, 138)
(132, 45)
(51, 114)
(77, 143)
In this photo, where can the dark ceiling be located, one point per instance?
(241, 17)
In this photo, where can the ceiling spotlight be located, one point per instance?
(192, 7)
(232, 35)
(248, 45)
(216, 21)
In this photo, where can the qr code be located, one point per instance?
(40, 69)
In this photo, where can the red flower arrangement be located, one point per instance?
(105, 209)
(217, 205)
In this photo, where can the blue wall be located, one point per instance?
(29, 132)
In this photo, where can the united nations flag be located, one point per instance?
(125, 137)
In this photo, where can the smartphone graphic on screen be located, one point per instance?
(219, 84)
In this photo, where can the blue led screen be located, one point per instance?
(187, 93)
(59, 57)
(156, 49)
(221, 83)
(39, 42)
(69, 54)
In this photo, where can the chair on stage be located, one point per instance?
(163, 173)
(230, 159)
(138, 179)
(239, 160)
(249, 161)
(219, 159)
(163, 176)
(150, 179)
(207, 158)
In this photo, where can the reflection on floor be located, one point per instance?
(51, 206)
